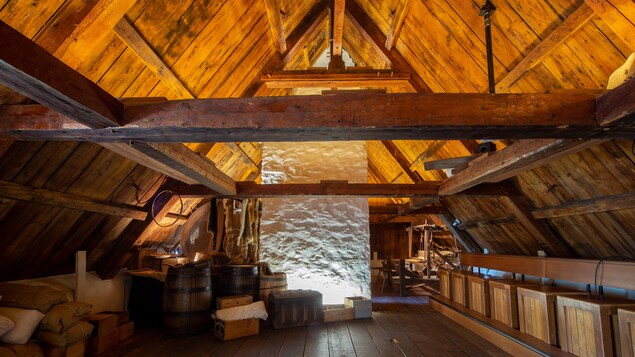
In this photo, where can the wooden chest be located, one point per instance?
(478, 293)
(444, 283)
(503, 301)
(537, 310)
(626, 319)
(458, 288)
(586, 325)
(295, 308)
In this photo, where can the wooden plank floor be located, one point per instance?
(401, 326)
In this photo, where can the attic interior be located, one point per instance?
(325, 137)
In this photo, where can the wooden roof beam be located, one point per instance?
(361, 116)
(375, 37)
(144, 51)
(335, 80)
(274, 15)
(568, 27)
(338, 14)
(463, 237)
(401, 160)
(592, 205)
(398, 18)
(483, 223)
(16, 191)
(34, 72)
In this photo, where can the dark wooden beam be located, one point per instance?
(519, 157)
(16, 191)
(398, 18)
(488, 222)
(374, 36)
(369, 116)
(617, 106)
(464, 238)
(448, 163)
(592, 205)
(32, 71)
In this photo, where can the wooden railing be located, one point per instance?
(617, 274)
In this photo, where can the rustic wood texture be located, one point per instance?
(537, 310)
(504, 300)
(584, 324)
(219, 49)
(626, 320)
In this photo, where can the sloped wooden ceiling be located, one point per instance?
(219, 49)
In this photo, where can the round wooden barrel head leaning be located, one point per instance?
(270, 283)
(240, 280)
(187, 299)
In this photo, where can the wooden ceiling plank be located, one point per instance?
(36, 73)
(338, 27)
(401, 159)
(59, 199)
(521, 156)
(32, 71)
(398, 18)
(448, 163)
(488, 222)
(568, 27)
(129, 35)
(616, 20)
(464, 238)
(374, 35)
(274, 15)
(593, 205)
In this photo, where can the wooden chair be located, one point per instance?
(388, 271)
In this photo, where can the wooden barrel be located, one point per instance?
(187, 299)
(240, 280)
(270, 283)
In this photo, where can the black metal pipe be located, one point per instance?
(486, 11)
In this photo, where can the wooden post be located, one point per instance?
(410, 230)
(402, 277)
(427, 242)
(80, 275)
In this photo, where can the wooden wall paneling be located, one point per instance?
(238, 64)
(39, 13)
(626, 320)
(144, 84)
(618, 16)
(362, 50)
(389, 240)
(123, 72)
(617, 42)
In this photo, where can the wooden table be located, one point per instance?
(626, 318)
(537, 310)
(504, 301)
(584, 324)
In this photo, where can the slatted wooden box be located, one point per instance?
(587, 326)
(458, 289)
(444, 283)
(478, 293)
(626, 318)
(537, 310)
(293, 308)
(504, 300)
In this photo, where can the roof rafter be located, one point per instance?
(37, 74)
(274, 15)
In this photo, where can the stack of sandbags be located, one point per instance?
(62, 333)
(25, 306)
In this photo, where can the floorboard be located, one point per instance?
(401, 326)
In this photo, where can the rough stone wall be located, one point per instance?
(321, 243)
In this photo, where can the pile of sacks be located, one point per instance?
(39, 320)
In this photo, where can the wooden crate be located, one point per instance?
(295, 308)
(503, 301)
(478, 293)
(363, 306)
(626, 318)
(229, 330)
(459, 287)
(537, 310)
(585, 324)
(234, 300)
(444, 283)
(333, 313)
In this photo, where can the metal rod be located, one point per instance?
(486, 11)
